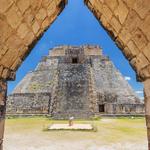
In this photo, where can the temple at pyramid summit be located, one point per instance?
(74, 81)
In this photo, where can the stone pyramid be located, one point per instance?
(74, 81)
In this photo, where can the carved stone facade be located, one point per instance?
(74, 81)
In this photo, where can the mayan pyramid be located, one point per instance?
(74, 81)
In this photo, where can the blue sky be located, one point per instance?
(76, 25)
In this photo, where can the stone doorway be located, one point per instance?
(102, 108)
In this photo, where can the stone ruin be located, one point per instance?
(74, 81)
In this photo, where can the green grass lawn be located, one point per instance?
(109, 131)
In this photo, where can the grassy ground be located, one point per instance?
(111, 134)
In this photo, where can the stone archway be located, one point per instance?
(23, 22)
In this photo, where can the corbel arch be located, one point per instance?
(22, 22)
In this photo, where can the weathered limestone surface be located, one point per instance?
(147, 107)
(29, 103)
(78, 80)
(3, 93)
(22, 22)
(128, 23)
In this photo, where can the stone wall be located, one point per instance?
(29, 103)
(22, 22)
(110, 83)
(133, 109)
(41, 80)
(73, 86)
(72, 99)
(128, 23)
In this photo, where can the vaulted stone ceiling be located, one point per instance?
(22, 22)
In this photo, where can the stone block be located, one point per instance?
(15, 65)
(87, 127)
(23, 5)
(14, 42)
(22, 30)
(129, 3)
(5, 73)
(112, 4)
(139, 39)
(133, 48)
(127, 53)
(23, 52)
(46, 3)
(112, 32)
(36, 27)
(9, 58)
(124, 35)
(107, 12)
(132, 22)
(139, 62)
(13, 17)
(51, 9)
(142, 7)
(146, 51)
(3, 50)
(29, 38)
(145, 27)
(35, 5)
(39, 33)
(29, 17)
(115, 24)
(147, 90)
(145, 73)
(41, 15)
(121, 12)
(45, 23)
(5, 30)
(1, 70)
(5, 4)
(98, 4)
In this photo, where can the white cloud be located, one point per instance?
(127, 78)
(139, 92)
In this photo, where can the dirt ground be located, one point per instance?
(111, 134)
